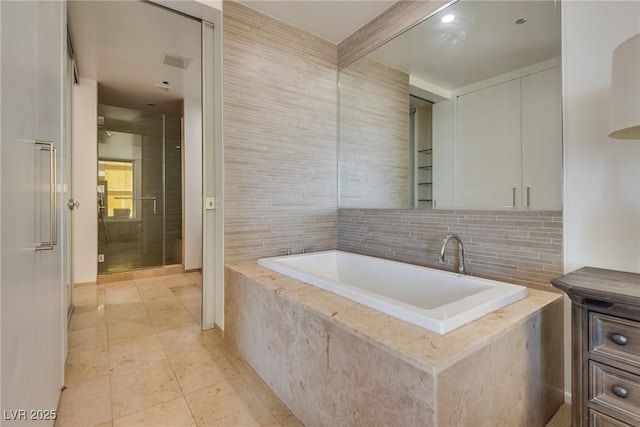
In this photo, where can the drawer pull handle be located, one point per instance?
(620, 391)
(619, 339)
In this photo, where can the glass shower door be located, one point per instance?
(130, 190)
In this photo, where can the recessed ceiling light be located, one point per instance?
(521, 21)
(448, 18)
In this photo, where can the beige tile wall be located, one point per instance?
(513, 246)
(280, 132)
(391, 22)
(374, 136)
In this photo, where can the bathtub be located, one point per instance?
(437, 300)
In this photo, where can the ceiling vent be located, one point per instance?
(163, 87)
(176, 61)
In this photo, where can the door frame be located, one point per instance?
(213, 158)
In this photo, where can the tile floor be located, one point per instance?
(137, 357)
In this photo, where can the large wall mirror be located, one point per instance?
(461, 111)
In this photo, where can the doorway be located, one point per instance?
(144, 75)
(199, 104)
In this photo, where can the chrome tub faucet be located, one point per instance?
(460, 247)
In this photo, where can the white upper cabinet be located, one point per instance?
(541, 140)
(489, 152)
(509, 143)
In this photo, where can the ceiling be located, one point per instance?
(329, 19)
(483, 41)
(121, 45)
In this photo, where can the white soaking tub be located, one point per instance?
(437, 300)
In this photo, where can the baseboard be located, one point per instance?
(81, 284)
(567, 397)
(140, 274)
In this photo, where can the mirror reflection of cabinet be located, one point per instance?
(507, 142)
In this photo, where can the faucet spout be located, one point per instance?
(460, 248)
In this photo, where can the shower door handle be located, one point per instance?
(155, 201)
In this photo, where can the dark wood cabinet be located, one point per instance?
(605, 313)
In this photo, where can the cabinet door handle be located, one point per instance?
(514, 196)
(620, 391)
(53, 236)
(528, 197)
(619, 339)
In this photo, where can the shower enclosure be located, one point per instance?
(139, 189)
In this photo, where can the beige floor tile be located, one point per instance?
(120, 312)
(124, 294)
(129, 330)
(133, 353)
(88, 339)
(83, 365)
(185, 340)
(290, 421)
(85, 404)
(201, 368)
(167, 306)
(108, 424)
(177, 280)
(88, 319)
(189, 290)
(195, 277)
(154, 291)
(146, 386)
(229, 403)
(176, 319)
(174, 413)
(270, 400)
(195, 309)
(88, 296)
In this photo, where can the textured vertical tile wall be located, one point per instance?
(280, 132)
(374, 136)
(397, 18)
(517, 247)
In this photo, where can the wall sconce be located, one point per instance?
(625, 90)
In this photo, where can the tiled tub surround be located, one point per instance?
(280, 112)
(336, 362)
(521, 247)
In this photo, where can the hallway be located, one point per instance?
(137, 357)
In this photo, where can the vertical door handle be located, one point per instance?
(54, 192)
(514, 196)
(528, 197)
(48, 245)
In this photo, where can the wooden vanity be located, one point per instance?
(605, 316)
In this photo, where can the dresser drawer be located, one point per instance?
(614, 337)
(615, 389)
(596, 419)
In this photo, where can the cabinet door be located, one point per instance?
(444, 167)
(489, 146)
(542, 140)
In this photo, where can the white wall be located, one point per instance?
(192, 166)
(85, 160)
(602, 175)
